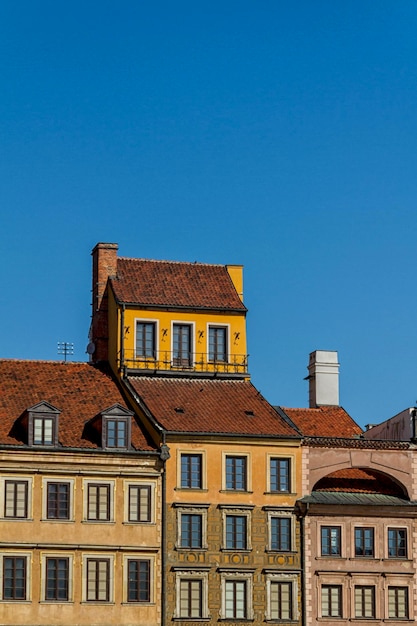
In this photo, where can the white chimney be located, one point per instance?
(323, 378)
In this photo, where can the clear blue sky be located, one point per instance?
(279, 135)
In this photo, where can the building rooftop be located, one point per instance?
(79, 390)
(324, 421)
(168, 283)
(210, 406)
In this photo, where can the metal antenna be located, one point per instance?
(66, 348)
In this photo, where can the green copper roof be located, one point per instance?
(363, 499)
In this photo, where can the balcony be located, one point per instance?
(187, 364)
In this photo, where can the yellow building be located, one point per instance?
(80, 500)
(175, 333)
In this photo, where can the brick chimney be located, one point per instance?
(104, 266)
(323, 378)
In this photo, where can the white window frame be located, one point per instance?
(281, 514)
(227, 346)
(137, 483)
(58, 555)
(192, 510)
(98, 556)
(138, 556)
(58, 479)
(226, 454)
(155, 322)
(112, 487)
(192, 575)
(278, 455)
(202, 454)
(282, 578)
(19, 555)
(19, 479)
(247, 578)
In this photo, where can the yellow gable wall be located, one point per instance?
(200, 321)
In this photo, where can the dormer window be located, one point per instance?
(42, 425)
(116, 427)
(43, 431)
(116, 433)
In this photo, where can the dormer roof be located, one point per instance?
(80, 390)
(152, 283)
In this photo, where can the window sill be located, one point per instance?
(197, 489)
(57, 519)
(235, 491)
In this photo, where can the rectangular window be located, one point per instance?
(397, 542)
(16, 499)
(191, 598)
(145, 340)
(57, 572)
(98, 504)
(398, 602)
(98, 580)
(191, 471)
(280, 475)
(58, 501)
(330, 541)
(140, 503)
(182, 348)
(139, 582)
(43, 431)
(280, 533)
(14, 578)
(281, 600)
(117, 433)
(236, 599)
(218, 343)
(364, 542)
(191, 530)
(236, 532)
(236, 473)
(364, 601)
(331, 601)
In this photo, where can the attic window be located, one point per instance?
(43, 425)
(116, 433)
(178, 409)
(116, 427)
(250, 413)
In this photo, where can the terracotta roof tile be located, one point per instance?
(79, 390)
(325, 421)
(210, 406)
(168, 283)
(358, 481)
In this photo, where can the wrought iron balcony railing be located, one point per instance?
(165, 361)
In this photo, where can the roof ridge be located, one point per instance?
(125, 258)
(49, 361)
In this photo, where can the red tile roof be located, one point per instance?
(79, 390)
(325, 421)
(358, 481)
(168, 283)
(210, 406)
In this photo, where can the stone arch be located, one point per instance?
(361, 480)
(395, 464)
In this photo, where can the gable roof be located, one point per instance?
(79, 390)
(324, 421)
(168, 283)
(210, 406)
